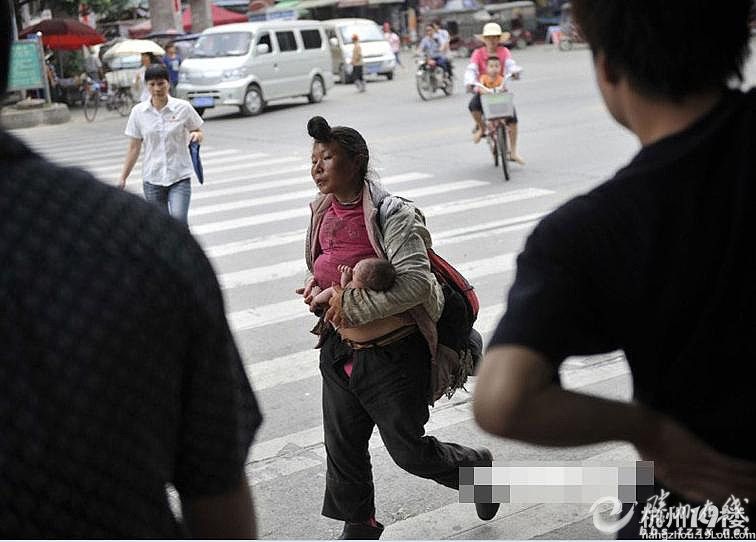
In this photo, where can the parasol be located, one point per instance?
(133, 47)
(65, 34)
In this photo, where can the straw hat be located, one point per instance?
(493, 29)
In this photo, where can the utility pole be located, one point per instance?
(202, 15)
(165, 15)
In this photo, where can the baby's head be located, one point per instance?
(373, 274)
(493, 67)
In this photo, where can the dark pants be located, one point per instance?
(388, 388)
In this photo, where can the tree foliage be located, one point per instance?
(105, 9)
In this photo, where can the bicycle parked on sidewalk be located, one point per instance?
(115, 99)
(498, 112)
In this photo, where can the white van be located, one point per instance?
(249, 64)
(377, 56)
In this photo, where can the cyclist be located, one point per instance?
(492, 37)
(430, 47)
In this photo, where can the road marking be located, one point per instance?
(252, 176)
(303, 180)
(292, 268)
(311, 193)
(304, 364)
(441, 238)
(117, 157)
(294, 309)
(430, 211)
(210, 166)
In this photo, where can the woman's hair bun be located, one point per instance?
(319, 129)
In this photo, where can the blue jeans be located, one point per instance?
(173, 199)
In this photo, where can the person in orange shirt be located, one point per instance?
(492, 79)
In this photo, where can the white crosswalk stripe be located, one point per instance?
(435, 210)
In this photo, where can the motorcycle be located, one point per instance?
(431, 78)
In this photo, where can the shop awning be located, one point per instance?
(377, 2)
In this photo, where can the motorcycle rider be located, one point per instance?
(492, 37)
(430, 47)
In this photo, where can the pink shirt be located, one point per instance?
(343, 240)
(481, 54)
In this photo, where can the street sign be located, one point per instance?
(26, 66)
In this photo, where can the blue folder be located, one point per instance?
(194, 152)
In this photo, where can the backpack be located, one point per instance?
(460, 347)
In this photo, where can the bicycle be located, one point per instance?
(119, 99)
(91, 97)
(498, 110)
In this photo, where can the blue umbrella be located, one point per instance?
(194, 152)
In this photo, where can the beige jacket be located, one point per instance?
(403, 240)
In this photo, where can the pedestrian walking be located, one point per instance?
(172, 61)
(166, 125)
(357, 74)
(394, 41)
(385, 379)
(119, 375)
(140, 84)
(658, 261)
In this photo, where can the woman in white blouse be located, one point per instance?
(165, 125)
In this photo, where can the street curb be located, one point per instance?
(12, 118)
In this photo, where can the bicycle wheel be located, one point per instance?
(501, 135)
(123, 103)
(491, 138)
(91, 103)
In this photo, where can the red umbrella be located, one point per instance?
(66, 34)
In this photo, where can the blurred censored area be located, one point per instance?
(556, 482)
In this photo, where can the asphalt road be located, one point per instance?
(250, 216)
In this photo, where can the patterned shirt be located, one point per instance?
(118, 373)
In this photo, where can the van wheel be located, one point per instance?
(253, 102)
(389, 75)
(344, 77)
(317, 90)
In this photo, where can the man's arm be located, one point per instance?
(132, 153)
(515, 397)
(227, 516)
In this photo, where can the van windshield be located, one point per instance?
(222, 44)
(366, 32)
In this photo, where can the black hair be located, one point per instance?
(155, 72)
(349, 139)
(668, 49)
(493, 57)
(5, 44)
(380, 274)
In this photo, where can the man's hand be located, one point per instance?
(122, 183)
(196, 135)
(688, 466)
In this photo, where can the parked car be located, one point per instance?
(251, 64)
(378, 59)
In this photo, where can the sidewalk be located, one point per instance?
(513, 522)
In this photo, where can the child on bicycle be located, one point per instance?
(492, 79)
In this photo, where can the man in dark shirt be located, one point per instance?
(119, 376)
(660, 261)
